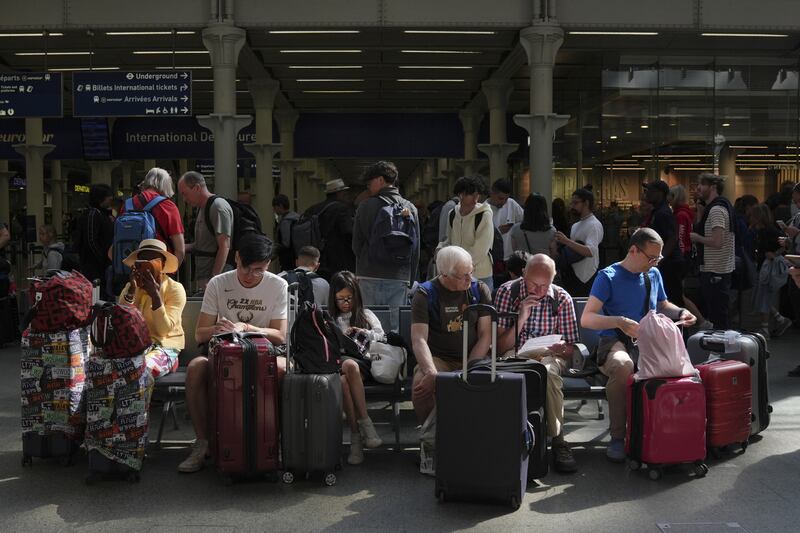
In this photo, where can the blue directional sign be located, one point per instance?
(30, 94)
(132, 94)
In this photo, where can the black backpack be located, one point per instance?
(305, 290)
(245, 220)
(497, 250)
(430, 232)
(308, 232)
(317, 344)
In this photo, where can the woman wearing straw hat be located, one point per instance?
(160, 299)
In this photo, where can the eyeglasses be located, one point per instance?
(253, 271)
(465, 277)
(652, 259)
(344, 299)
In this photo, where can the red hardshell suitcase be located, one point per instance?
(243, 405)
(729, 403)
(666, 424)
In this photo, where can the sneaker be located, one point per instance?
(196, 459)
(356, 456)
(563, 460)
(369, 436)
(616, 451)
(781, 325)
(427, 465)
(795, 372)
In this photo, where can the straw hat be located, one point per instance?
(335, 186)
(155, 245)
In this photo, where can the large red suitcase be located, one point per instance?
(666, 424)
(729, 403)
(243, 405)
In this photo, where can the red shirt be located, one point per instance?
(166, 214)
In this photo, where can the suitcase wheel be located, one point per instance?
(330, 479)
(655, 474)
(27, 460)
(288, 478)
(744, 445)
(441, 496)
(514, 502)
(633, 464)
(700, 469)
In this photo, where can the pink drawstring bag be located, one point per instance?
(662, 352)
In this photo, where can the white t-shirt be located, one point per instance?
(590, 232)
(510, 213)
(259, 305)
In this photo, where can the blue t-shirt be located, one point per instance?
(622, 293)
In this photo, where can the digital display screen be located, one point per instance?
(96, 139)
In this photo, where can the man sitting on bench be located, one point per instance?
(621, 295)
(544, 309)
(248, 299)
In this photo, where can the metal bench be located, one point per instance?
(591, 387)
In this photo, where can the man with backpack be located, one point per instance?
(328, 226)
(312, 288)
(714, 238)
(285, 220)
(212, 236)
(386, 240)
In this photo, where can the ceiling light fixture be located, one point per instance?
(436, 67)
(77, 69)
(743, 35)
(312, 80)
(333, 92)
(54, 53)
(40, 34)
(185, 67)
(311, 32)
(439, 52)
(726, 124)
(450, 32)
(432, 80)
(748, 147)
(322, 51)
(167, 52)
(613, 137)
(133, 33)
(628, 132)
(631, 33)
(644, 126)
(324, 66)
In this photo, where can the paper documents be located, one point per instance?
(538, 344)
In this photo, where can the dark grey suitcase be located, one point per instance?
(311, 418)
(750, 348)
(483, 438)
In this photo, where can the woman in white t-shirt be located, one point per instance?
(351, 317)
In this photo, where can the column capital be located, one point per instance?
(286, 118)
(263, 93)
(216, 122)
(34, 150)
(497, 92)
(499, 150)
(264, 149)
(223, 42)
(470, 119)
(471, 166)
(291, 164)
(541, 42)
(548, 122)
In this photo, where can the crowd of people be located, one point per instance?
(479, 246)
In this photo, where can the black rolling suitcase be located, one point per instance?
(750, 348)
(311, 415)
(483, 438)
(536, 396)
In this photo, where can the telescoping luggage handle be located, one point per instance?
(293, 303)
(474, 308)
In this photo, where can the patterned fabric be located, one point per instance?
(60, 302)
(52, 381)
(161, 361)
(120, 330)
(542, 321)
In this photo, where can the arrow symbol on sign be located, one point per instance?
(184, 75)
(185, 98)
(184, 110)
(184, 87)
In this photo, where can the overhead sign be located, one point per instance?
(30, 95)
(132, 94)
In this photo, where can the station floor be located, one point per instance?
(757, 491)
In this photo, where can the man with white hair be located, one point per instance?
(437, 324)
(543, 309)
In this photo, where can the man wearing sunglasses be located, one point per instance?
(621, 295)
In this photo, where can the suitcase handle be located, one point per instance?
(293, 304)
(493, 314)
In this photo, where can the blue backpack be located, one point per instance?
(131, 228)
(394, 237)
